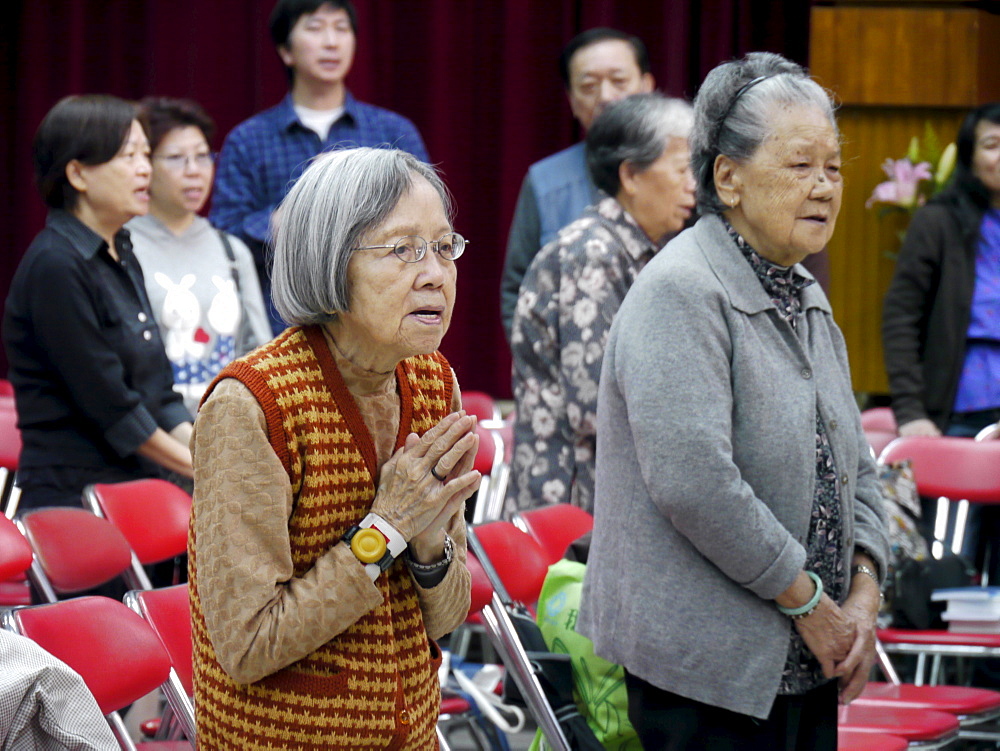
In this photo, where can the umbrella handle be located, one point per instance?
(490, 705)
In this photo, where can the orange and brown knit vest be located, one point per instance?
(374, 685)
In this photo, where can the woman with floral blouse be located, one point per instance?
(638, 156)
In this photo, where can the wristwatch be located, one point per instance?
(375, 543)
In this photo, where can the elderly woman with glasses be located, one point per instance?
(201, 282)
(739, 535)
(327, 547)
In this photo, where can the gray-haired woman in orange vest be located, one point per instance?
(331, 470)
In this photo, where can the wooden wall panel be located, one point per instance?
(859, 268)
(931, 57)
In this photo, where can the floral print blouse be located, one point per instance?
(568, 299)
(824, 545)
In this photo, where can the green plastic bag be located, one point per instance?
(599, 686)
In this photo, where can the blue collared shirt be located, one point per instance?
(264, 156)
(979, 385)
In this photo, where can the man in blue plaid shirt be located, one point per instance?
(263, 156)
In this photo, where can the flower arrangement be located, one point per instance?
(917, 177)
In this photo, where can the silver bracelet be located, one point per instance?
(430, 568)
(863, 569)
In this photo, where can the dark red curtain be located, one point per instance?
(479, 79)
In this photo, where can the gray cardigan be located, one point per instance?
(706, 471)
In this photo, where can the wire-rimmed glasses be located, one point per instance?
(412, 248)
(179, 162)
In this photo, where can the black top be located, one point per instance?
(91, 379)
(925, 316)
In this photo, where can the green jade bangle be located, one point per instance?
(804, 610)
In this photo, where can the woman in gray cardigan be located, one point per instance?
(739, 540)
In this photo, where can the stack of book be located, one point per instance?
(970, 610)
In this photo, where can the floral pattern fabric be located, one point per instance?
(568, 300)
(824, 545)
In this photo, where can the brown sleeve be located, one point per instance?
(260, 618)
(446, 605)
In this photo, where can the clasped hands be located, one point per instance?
(413, 500)
(843, 637)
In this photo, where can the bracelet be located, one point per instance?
(430, 568)
(804, 610)
(863, 569)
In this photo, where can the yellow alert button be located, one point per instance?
(368, 545)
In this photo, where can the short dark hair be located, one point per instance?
(601, 34)
(964, 182)
(89, 128)
(287, 12)
(160, 115)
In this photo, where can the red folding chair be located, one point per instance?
(15, 560)
(490, 463)
(168, 611)
(555, 527)
(480, 404)
(516, 566)
(951, 469)
(879, 439)
(879, 418)
(153, 516)
(74, 551)
(922, 729)
(856, 740)
(113, 649)
(976, 709)
(10, 451)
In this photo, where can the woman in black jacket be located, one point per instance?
(941, 319)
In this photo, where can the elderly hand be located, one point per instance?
(861, 607)
(830, 635)
(412, 499)
(923, 426)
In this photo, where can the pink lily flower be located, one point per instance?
(901, 187)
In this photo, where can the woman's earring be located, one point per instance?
(732, 201)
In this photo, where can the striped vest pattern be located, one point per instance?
(374, 685)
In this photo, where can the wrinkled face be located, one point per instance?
(320, 46)
(602, 73)
(402, 309)
(182, 172)
(118, 189)
(665, 194)
(986, 156)
(788, 193)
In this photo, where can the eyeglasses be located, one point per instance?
(412, 249)
(179, 162)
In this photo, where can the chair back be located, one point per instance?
(490, 463)
(519, 561)
(15, 551)
(153, 515)
(482, 590)
(168, 611)
(113, 649)
(74, 550)
(955, 468)
(10, 452)
(879, 418)
(555, 527)
(480, 404)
